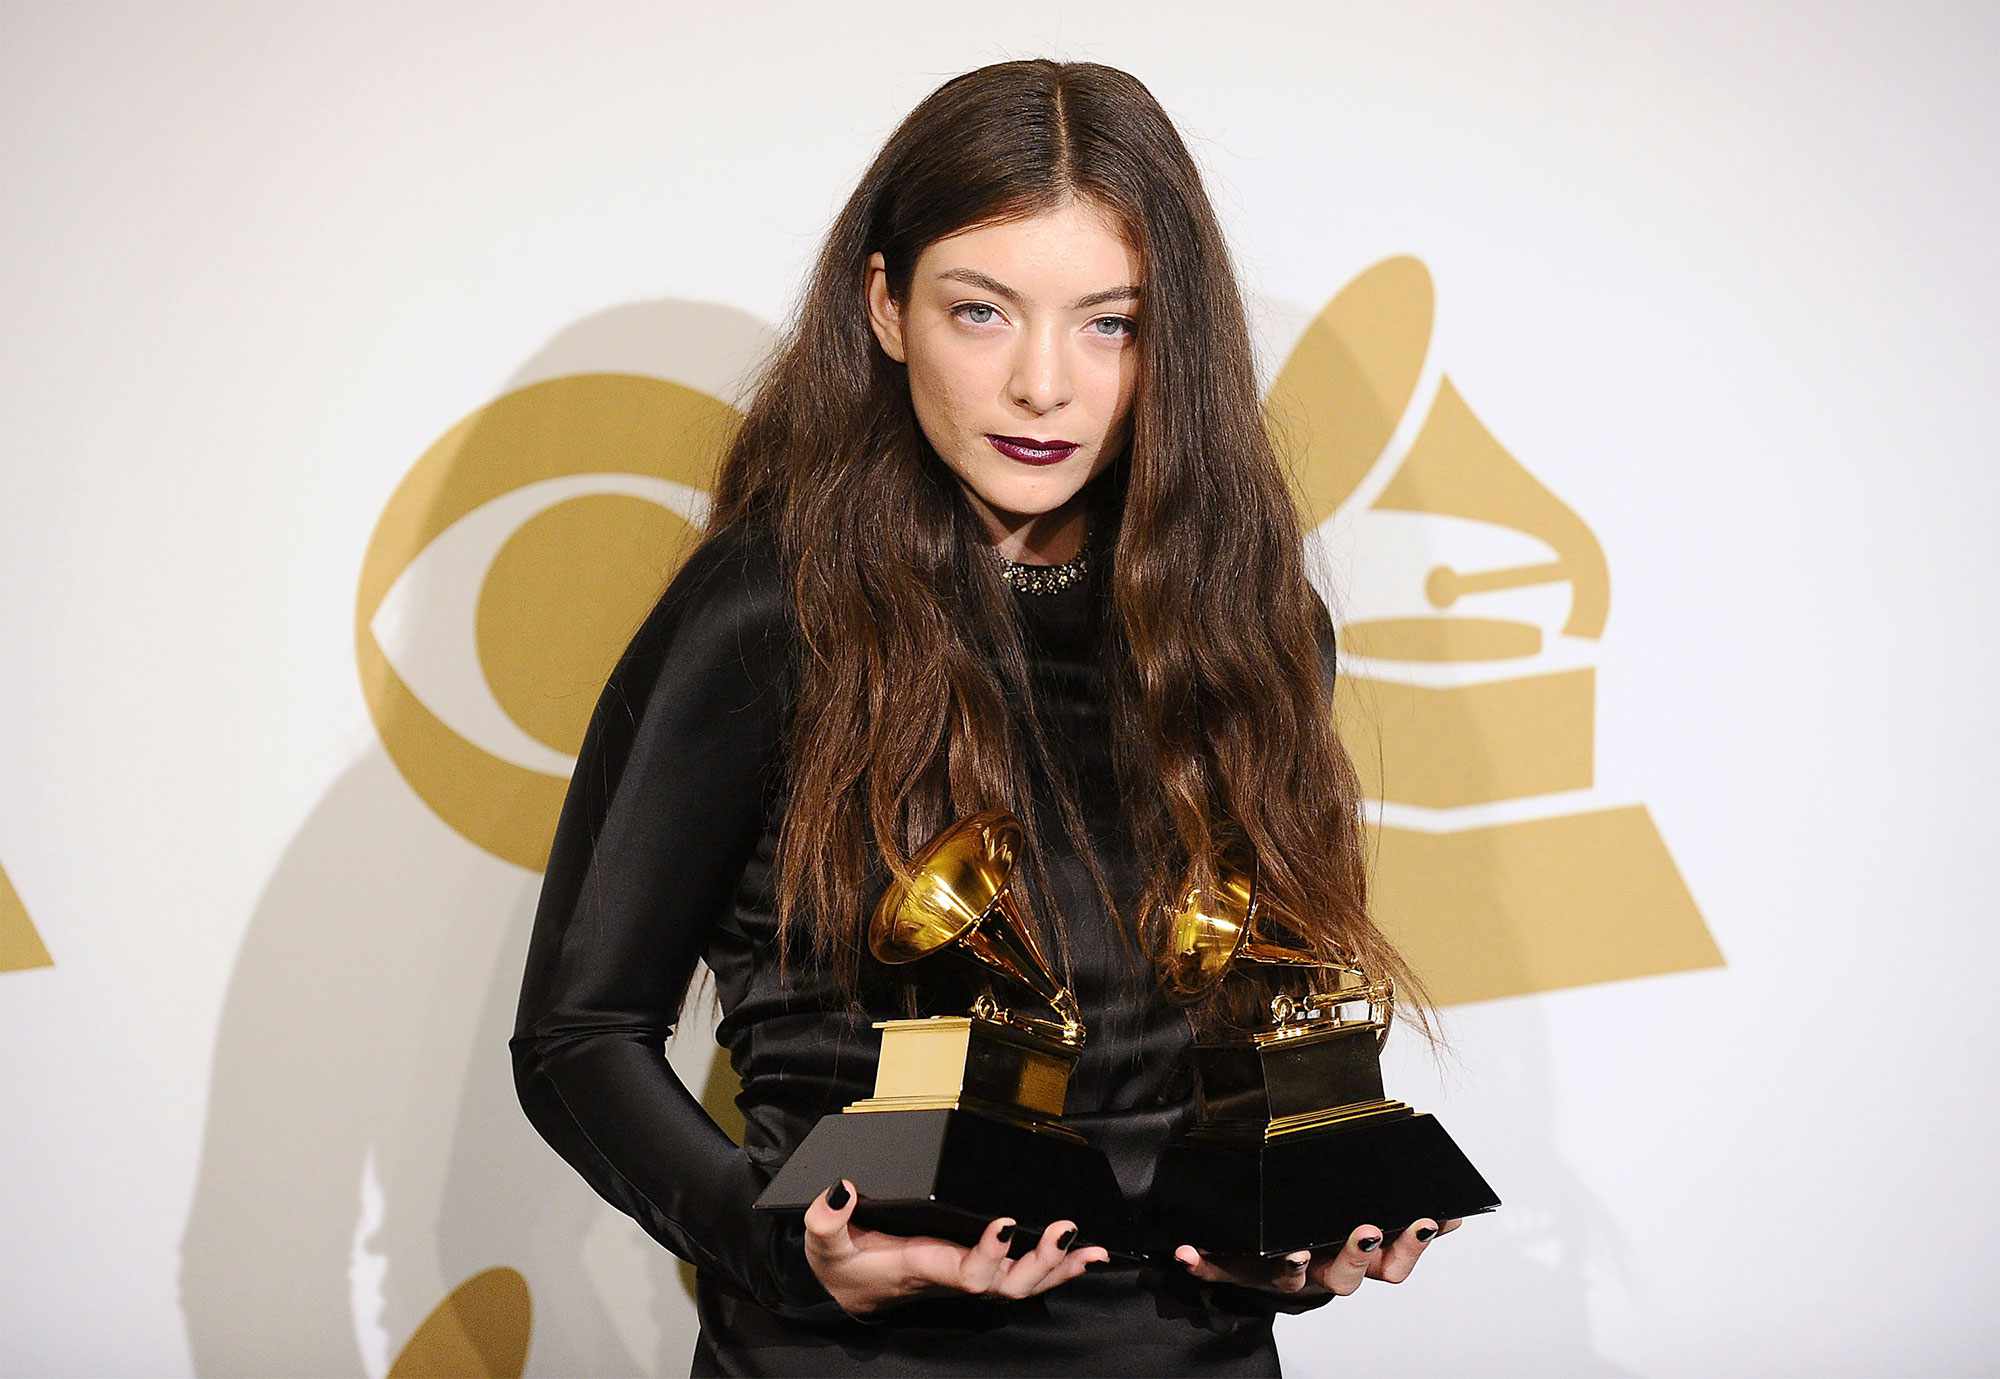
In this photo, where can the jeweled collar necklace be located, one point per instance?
(1044, 579)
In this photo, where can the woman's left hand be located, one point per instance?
(1319, 1272)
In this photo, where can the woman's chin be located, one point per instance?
(1016, 504)
(1021, 514)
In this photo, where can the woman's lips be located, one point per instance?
(1021, 448)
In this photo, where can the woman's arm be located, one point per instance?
(663, 809)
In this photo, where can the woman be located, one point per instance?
(1002, 528)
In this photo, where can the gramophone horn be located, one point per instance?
(1211, 932)
(961, 898)
(1204, 934)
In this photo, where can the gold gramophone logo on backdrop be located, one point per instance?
(1468, 686)
(21, 947)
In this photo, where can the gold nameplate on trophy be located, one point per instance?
(972, 1063)
(963, 1124)
(1294, 1142)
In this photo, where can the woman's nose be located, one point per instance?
(1041, 378)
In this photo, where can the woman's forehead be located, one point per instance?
(1060, 258)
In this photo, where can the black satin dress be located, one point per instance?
(663, 855)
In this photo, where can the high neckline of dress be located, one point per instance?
(1041, 581)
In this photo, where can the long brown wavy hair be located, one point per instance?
(912, 704)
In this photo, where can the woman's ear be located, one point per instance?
(883, 315)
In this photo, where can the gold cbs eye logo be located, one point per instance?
(508, 571)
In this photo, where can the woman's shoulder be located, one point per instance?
(1329, 655)
(725, 607)
(738, 561)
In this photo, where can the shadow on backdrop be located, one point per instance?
(363, 1135)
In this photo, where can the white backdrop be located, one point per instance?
(1720, 280)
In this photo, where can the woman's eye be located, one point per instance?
(1121, 325)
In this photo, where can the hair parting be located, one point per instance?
(912, 704)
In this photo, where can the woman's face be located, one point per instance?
(1018, 333)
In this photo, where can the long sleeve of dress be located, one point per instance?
(663, 809)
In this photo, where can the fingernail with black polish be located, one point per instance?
(836, 1196)
(1367, 1243)
(1426, 1232)
(1006, 1234)
(1062, 1241)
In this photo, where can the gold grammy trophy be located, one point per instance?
(1294, 1142)
(963, 1126)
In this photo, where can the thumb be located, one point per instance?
(826, 1221)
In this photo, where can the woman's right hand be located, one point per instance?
(868, 1271)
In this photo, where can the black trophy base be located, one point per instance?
(1310, 1189)
(948, 1173)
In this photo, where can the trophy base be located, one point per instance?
(948, 1172)
(1245, 1194)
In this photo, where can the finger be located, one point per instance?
(1023, 1274)
(1284, 1273)
(1341, 1271)
(1448, 1227)
(1288, 1273)
(986, 1262)
(1075, 1262)
(1396, 1262)
(1201, 1266)
(827, 1216)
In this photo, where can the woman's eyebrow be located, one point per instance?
(1000, 289)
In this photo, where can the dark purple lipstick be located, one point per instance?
(1029, 450)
